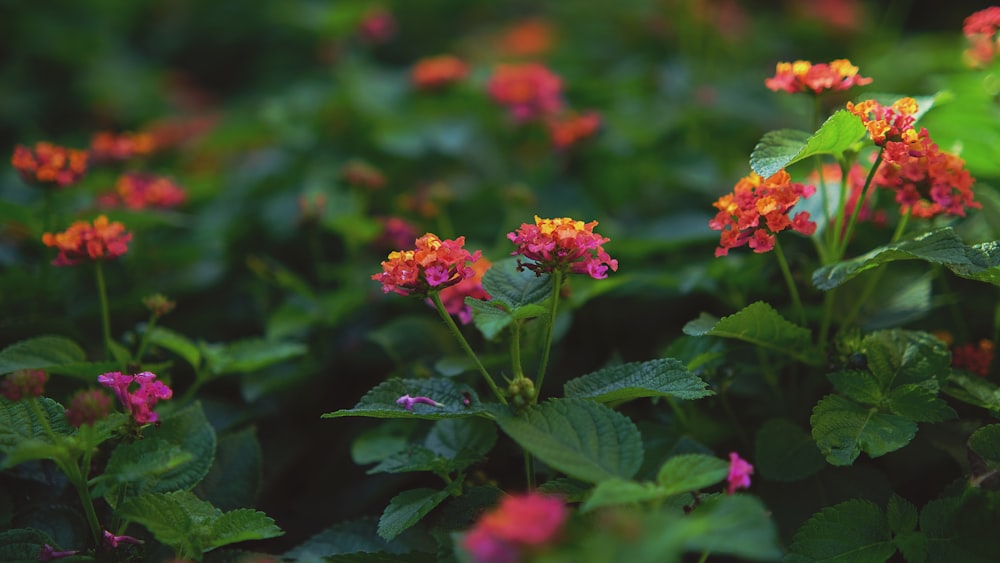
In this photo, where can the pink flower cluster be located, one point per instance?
(453, 297)
(87, 407)
(23, 383)
(520, 522)
(931, 184)
(803, 76)
(528, 90)
(980, 29)
(139, 398)
(144, 191)
(740, 471)
(47, 164)
(433, 264)
(562, 244)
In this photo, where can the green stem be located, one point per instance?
(704, 557)
(876, 276)
(515, 349)
(145, 337)
(790, 282)
(824, 328)
(842, 247)
(105, 316)
(543, 364)
(529, 470)
(436, 299)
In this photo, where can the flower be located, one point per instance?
(360, 174)
(803, 76)
(928, 185)
(739, 473)
(562, 244)
(523, 521)
(396, 232)
(436, 72)
(569, 129)
(23, 383)
(892, 128)
(88, 406)
(407, 402)
(49, 165)
(527, 38)
(48, 553)
(753, 199)
(138, 400)
(975, 358)
(528, 90)
(453, 297)
(106, 146)
(112, 541)
(377, 26)
(158, 304)
(144, 191)
(979, 28)
(433, 264)
(102, 240)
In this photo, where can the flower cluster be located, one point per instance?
(377, 26)
(434, 264)
(567, 130)
(144, 191)
(980, 29)
(932, 184)
(158, 304)
(562, 244)
(520, 522)
(453, 297)
(527, 38)
(140, 398)
(436, 72)
(106, 146)
(528, 90)
(49, 165)
(892, 128)
(740, 471)
(87, 407)
(23, 383)
(102, 240)
(396, 232)
(975, 358)
(803, 76)
(360, 174)
(753, 199)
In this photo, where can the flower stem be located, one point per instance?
(436, 299)
(874, 278)
(790, 282)
(105, 316)
(145, 337)
(543, 364)
(529, 470)
(849, 232)
(515, 349)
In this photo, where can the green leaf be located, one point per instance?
(761, 325)
(962, 528)
(176, 343)
(785, 452)
(736, 525)
(24, 544)
(854, 531)
(451, 437)
(985, 443)
(898, 357)
(488, 317)
(779, 149)
(350, 537)
(235, 477)
(620, 491)
(40, 352)
(142, 460)
(943, 246)
(515, 288)
(857, 385)
(583, 439)
(378, 443)
(664, 377)
(245, 356)
(974, 391)
(380, 402)
(412, 458)
(920, 402)
(843, 428)
(901, 514)
(240, 525)
(406, 509)
(23, 436)
(691, 472)
(87, 371)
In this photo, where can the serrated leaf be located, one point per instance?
(516, 288)
(23, 544)
(779, 149)
(489, 318)
(413, 458)
(245, 356)
(854, 531)
(620, 491)
(583, 439)
(24, 437)
(665, 377)
(920, 402)
(761, 325)
(962, 528)
(898, 357)
(450, 437)
(142, 460)
(736, 525)
(857, 385)
(242, 524)
(380, 402)
(785, 452)
(235, 476)
(176, 343)
(691, 472)
(985, 442)
(901, 515)
(974, 391)
(843, 428)
(942, 246)
(406, 509)
(40, 352)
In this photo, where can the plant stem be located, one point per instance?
(790, 282)
(543, 364)
(105, 316)
(145, 337)
(436, 299)
(529, 470)
(515, 350)
(874, 278)
(842, 247)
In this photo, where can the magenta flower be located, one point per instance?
(739, 473)
(407, 402)
(112, 541)
(138, 400)
(49, 553)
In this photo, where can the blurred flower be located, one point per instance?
(974, 358)
(932, 184)
(88, 406)
(158, 304)
(527, 521)
(892, 128)
(140, 398)
(728, 17)
(396, 232)
(753, 199)
(436, 72)
(453, 297)
(527, 38)
(407, 402)
(856, 177)
(433, 264)
(49, 165)
(377, 26)
(803, 76)
(112, 541)
(570, 128)
(843, 15)
(427, 199)
(106, 146)
(170, 132)
(49, 553)
(979, 29)
(739, 473)
(528, 90)
(360, 174)
(143, 191)
(562, 244)
(102, 240)
(23, 384)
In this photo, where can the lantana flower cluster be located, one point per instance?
(23, 384)
(434, 264)
(562, 244)
(145, 191)
(360, 174)
(892, 128)
(757, 209)
(803, 76)
(520, 523)
(433, 73)
(107, 146)
(931, 184)
(528, 90)
(980, 28)
(974, 357)
(453, 297)
(88, 406)
(83, 241)
(138, 393)
(570, 128)
(47, 164)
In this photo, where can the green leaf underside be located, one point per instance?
(491, 318)
(761, 325)
(620, 491)
(504, 283)
(666, 377)
(942, 246)
(691, 472)
(843, 428)
(176, 343)
(380, 402)
(779, 149)
(785, 452)
(852, 531)
(985, 442)
(406, 509)
(962, 528)
(580, 438)
(22, 436)
(40, 352)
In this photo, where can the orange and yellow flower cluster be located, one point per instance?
(528, 90)
(107, 146)
(434, 264)
(82, 241)
(935, 183)
(433, 73)
(562, 244)
(519, 523)
(892, 128)
(144, 191)
(757, 210)
(49, 165)
(359, 173)
(571, 128)
(803, 76)
(980, 29)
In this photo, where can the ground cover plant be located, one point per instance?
(459, 281)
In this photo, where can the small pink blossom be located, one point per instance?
(740, 471)
(528, 521)
(23, 383)
(49, 553)
(407, 402)
(141, 400)
(112, 541)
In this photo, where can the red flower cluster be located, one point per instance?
(49, 165)
(980, 29)
(562, 244)
(892, 128)
(568, 129)
(803, 76)
(434, 264)
(453, 297)
(106, 146)
(139, 399)
(528, 90)
(520, 522)
(974, 358)
(144, 191)
(23, 383)
(753, 199)
(932, 184)
(102, 240)
(87, 407)
(436, 72)
(360, 174)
